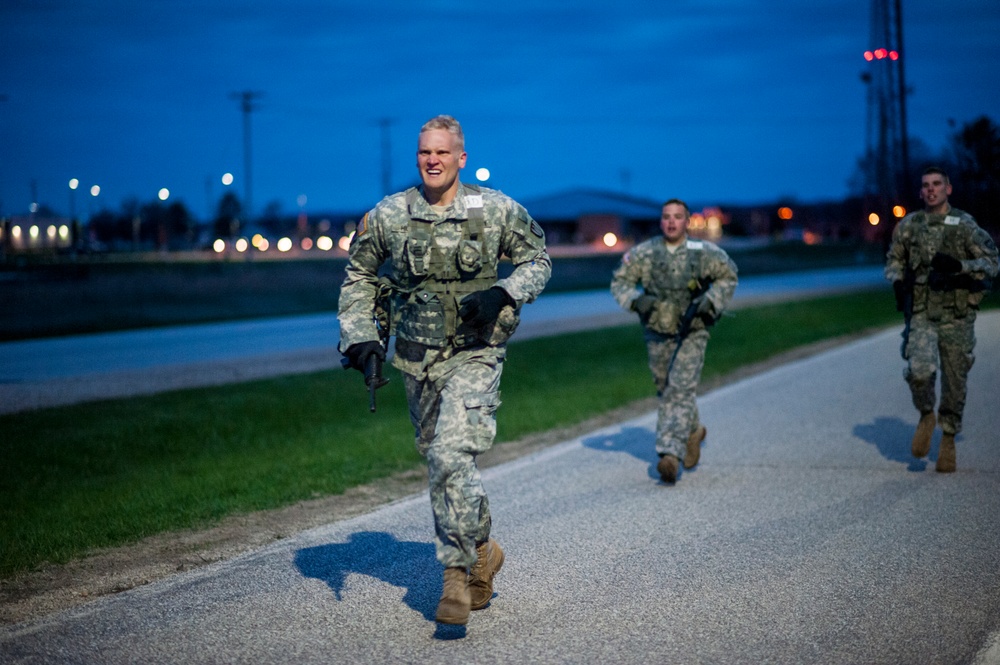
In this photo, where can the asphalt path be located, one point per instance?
(65, 370)
(808, 534)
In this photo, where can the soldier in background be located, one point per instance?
(941, 263)
(659, 279)
(452, 317)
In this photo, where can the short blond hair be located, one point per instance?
(447, 123)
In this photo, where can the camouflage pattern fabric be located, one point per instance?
(454, 418)
(948, 344)
(452, 386)
(651, 269)
(677, 415)
(942, 331)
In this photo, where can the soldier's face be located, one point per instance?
(439, 159)
(934, 190)
(674, 222)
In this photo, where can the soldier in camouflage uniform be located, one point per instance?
(945, 262)
(452, 317)
(658, 279)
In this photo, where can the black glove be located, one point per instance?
(357, 354)
(706, 310)
(946, 264)
(899, 290)
(643, 305)
(483, 307)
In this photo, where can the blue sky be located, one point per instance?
(715, 101)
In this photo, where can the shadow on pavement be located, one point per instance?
(892, 437)
(409, 565)
(638, 442)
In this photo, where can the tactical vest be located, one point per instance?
(439, 276)
(937, 302)
(672, 289)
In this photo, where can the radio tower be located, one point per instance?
(887, 158)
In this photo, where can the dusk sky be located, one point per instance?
(714, 101)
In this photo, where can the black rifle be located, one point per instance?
(906, 307)
(698, 291)
(373, 365)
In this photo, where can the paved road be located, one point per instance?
(807, 535)
(50, 372)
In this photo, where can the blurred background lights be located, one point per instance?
(73, 183)
(873, 219)
(899, 211)
(219, 245)
(95, 190)
(227, 179)
(163, 194)
(241, 245)
(324, 243)
(284, 244)
(610, 240)
(482, 174)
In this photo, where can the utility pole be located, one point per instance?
(384, 124)
(246, 99)
(887, 154)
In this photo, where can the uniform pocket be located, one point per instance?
(481, 410)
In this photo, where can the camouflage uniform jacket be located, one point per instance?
(918, 237)
(650, 268)
(435, 258)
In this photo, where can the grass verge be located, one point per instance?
(109, 473)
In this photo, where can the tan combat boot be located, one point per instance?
(488, 564)
(693, 453)
(946, 456)
(453, 607)
(922, 437)
(667, 466)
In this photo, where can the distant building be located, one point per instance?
(585, 216)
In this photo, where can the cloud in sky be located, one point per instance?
(719, 101)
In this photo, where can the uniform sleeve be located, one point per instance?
(896, 259)
(983, 251)
(722, 271)
(356, 306)
(524, 242)
(625, 281)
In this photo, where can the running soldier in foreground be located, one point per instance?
(452, 317)
(941, 265)
(679, 287)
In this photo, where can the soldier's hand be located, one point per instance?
(643, 305)
(357, 354)
(706, 310)
(945, 263)
(483, 307)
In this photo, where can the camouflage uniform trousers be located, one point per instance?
(950, 341)
(677, 416)
(453, 411)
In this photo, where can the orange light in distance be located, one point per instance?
(873, 219)
(784, 212)
(899, 211)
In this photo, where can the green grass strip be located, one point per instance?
(109, 473)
